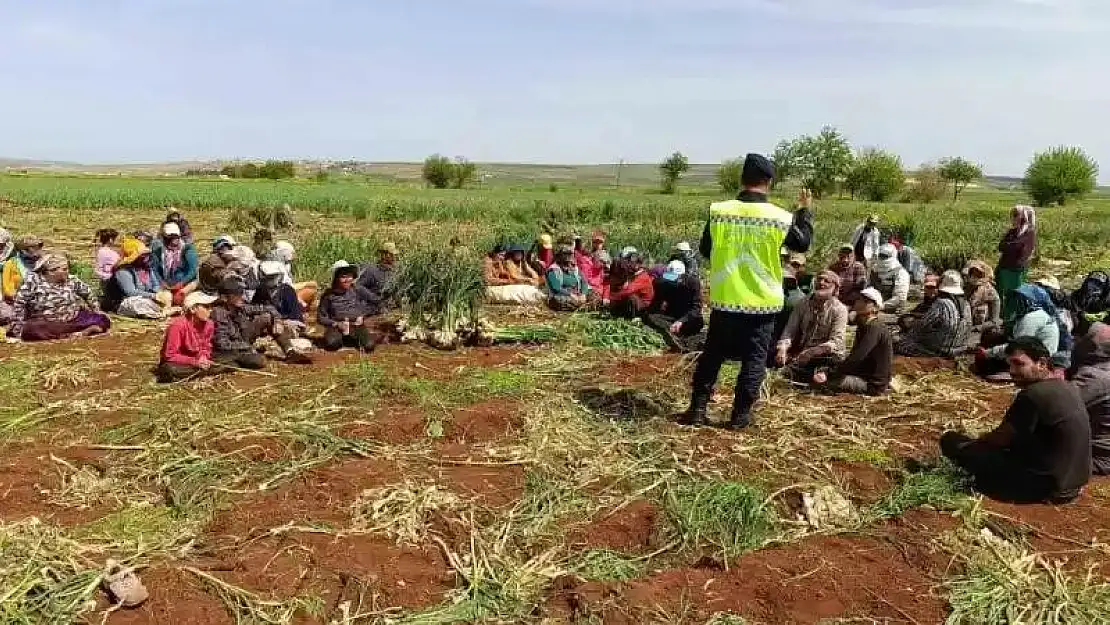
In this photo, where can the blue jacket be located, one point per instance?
(127, 279)
(185, 273)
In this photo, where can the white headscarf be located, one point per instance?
(1028, 218)
(889, 265)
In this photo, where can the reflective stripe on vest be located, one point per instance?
(746, 269)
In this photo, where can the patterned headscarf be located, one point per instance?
(51, 262)
(1028, 218)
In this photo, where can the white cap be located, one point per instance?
(339, 264)
(628, 251)
(171, 229)
(873, 295)
(1049, 282)
(677, 267)
(271, 268)
(952, 283)
(683, 246)
(198, 298)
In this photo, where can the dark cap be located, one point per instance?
(758, 169)
(231, 286)
(515, 248)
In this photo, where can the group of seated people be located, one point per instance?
(222, 306)
(569, 277)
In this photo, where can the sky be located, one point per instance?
(549, 81)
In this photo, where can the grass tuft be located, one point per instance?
(728, 516)
(604, 565)
(944, 488)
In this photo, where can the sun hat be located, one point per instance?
(51, 262)
(223, 241)
(390, 247)
(873, 294)
(198, 298)
(171, 229)
(629, 251)
(28, 242)
(514, 248)
(847, 247)
(683, 246)
(546, 242)
(952, 283)
(271, 268)
(132, 249)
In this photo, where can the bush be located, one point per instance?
(463, 173)
(729, 174)
(440, 172)
(875, 175)
(273, 170)
(928, 186)
(672, 169)
(1060, 174)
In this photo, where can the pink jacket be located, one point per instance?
(185, 344)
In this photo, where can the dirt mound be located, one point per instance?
(1057, 529)
(866, 483)
(631, 529)
(886, 576)
(483, 422)
(394, 426)
(322, 495)
(496, 485)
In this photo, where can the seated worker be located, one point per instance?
(867, 369)
(684, 253)
(1061, 300)
(245, 268)
(635, 296)
(175, 217)
(1090, 372)
(174, 263)
(852, 274)
(214, 269)
(815, 334)
(187, 346)
(675, 311)
(986, 306)
(135, 283)
(7, 249)
(20, 266)
(107, 254)
(274, 291)
(1035, 318)
(285, 253)
(519, 271)
(239, 325)
(1042, 450)
(793, 294)
(595, 263)
(345, 309)
(542, 254)
(500, 285)
(378, 278)
(567, 289)
(930, 287)
(52, 304)
(945, 329)
(796, 262)
(890, 279)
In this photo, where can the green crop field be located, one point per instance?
(541, 482)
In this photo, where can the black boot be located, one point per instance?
(739, 420)
(695, 415)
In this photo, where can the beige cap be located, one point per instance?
(390, 248)
(198, 298)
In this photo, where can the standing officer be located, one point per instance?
(743, 242)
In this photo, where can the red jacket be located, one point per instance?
(641, 285)
(185, 344)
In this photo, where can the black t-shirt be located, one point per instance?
(1052, 437)
(871, 357)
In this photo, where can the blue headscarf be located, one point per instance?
(1032, 297)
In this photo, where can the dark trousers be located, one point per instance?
(168, 372)
(741, 337)
(682, 342)
(997, 473)
(359, 338)
(263, 325)
(243, 360)
(628, 308)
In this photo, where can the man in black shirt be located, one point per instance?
(675, 311)
(867, 369)
(1042, 450)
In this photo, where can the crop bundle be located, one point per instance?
(442, 294)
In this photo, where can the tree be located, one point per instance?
(960, 172)
(823, 161)
(785, 158)
(438, 171)
(672, 169)
(876, 175)
(1060, 174)
(463, 173)
(928, 185)
(729, 174)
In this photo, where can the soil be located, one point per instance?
(495, 486)
(641, 371)
(866, 483)
(484, 422)
(399, 425)
(887, 575)
(28, 476)
(424, 362)
(631, 529)
(919, 366)
(176, 597)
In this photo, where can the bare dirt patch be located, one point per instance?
(484, 422)
(866, 483)
(644, 371)
(631, 529)
(918, 366)
(395, 425)
(425, 362)
(493, 485)
(176, 598)
(28, 477)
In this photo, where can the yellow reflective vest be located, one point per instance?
(745, 266)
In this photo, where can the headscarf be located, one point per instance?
(131, 249)
(7, 245)
(888, 265)
(28, 242)
(1028, 218)
(51, 262)
(283, 252)
(1030, 298)
(981, 267)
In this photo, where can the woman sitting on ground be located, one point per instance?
(187, 346)
(569, 290)
(501, 287)
(345, 309)
(174, 262)
(175, 217)
(635, 296)
(52, 304)
(1035, 318)
(285, 253)
(7, 248)
(107, 256)
(986, 306)
(519, 271)
(21, 265)
(274, 291)
(135, 284)
(945, 329)
(890, 279)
